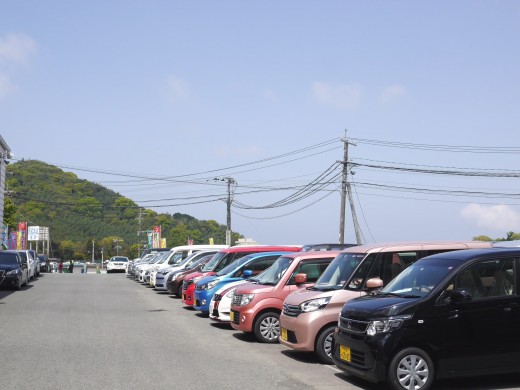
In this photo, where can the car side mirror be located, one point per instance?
(374, 283)
(300, 278)
(248, 273)
(460, 295)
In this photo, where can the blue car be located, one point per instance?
(240, 269)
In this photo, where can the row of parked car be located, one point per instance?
(404, 313)
(19, 267)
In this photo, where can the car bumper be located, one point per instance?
(160, 282)
(303, 329)
(219, 310)
(202, 300)
(188, 295)
(10, 280)
(365, 357)
(242, 318)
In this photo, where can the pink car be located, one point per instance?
(256, 306)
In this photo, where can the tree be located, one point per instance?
(482, 238)
(9, 213)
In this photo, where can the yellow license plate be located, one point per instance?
(344, 353)
(183, 297)
(231, 316)
(284, 334)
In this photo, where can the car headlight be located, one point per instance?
(314, 304)
(13, 272)
(386, 325)
(212, 284)
(195, 280)
(230, 293)
(246, 299)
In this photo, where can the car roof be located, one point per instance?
(410, 245)
(263, 248)
(472, 254)
(312, 254)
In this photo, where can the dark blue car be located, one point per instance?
(13, 270)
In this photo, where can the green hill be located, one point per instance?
(79, 211)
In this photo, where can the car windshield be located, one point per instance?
(272, 275)
(234, 265)
(23, 255)
(210, 265)
(119, 259)
(338, 272)
(419, 279)
(8, 258)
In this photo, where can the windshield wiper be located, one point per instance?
(392, 294)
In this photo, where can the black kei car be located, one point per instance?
(13, 270)
(448, 315)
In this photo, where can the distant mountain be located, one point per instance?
(78, 211)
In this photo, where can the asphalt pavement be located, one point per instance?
(105, 331)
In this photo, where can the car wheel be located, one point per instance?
(267, 327)
(411, 368)
(323, 345)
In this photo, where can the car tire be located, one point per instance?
(267, 327)
(179, 292)
(323, 347)
(411, 368)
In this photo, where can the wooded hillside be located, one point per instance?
(78, 211)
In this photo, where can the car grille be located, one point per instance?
(186, 283)
(236, 317)
(237, 298)
(349, 325)
(197, 302)
(214, 313)
(291, 310)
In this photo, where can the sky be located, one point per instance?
(163, 101)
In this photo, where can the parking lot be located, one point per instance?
(79, 331)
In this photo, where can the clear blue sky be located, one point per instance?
(187, 90)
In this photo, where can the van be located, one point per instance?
(448, 315)
(309, 316)
(256, 306)
(13, 270)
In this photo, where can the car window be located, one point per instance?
(8, 258)
(488, 278)
(312, 268)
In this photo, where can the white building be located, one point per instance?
(5, 153)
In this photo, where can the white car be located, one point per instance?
(220, 304)
(117, 263)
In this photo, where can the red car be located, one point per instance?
(221, 259)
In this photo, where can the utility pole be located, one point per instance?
(92, 251)
(345, 189)
(230, 188)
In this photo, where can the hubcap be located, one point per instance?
(327, 346)
(270, 328)
(412, 372)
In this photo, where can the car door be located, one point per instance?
(482, 334)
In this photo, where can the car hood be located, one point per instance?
(252, 288)
(373, 306)
(8, 267)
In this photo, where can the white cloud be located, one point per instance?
(178, 88)
(341, 96)
(393, 93)
(500, 217)
(5, 86)
(16, 48)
